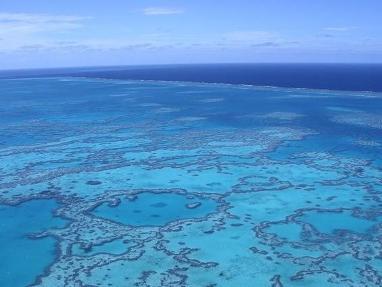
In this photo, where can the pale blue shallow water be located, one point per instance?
(24, 258)
(148, 183)
(149, 209)
(329, 222)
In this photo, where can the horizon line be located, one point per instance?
(191, 64)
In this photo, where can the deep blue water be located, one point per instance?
(349, 77)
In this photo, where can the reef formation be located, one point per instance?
(187, 184)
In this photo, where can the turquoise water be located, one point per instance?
(24, 258)
(188, 184)
(329, 222)
(150, 209)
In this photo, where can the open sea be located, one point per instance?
(192, 175)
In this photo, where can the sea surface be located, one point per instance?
(349, 77)
(109, 181)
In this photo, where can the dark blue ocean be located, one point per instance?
(348, 77)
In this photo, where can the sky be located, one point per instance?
(66, 33)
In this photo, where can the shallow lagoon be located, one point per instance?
(24, 258)
(150, 209)
(329, 222)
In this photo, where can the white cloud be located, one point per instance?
(153, 11)
(24, 29)
(22, 22)
(38, 18)
(339, 29)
